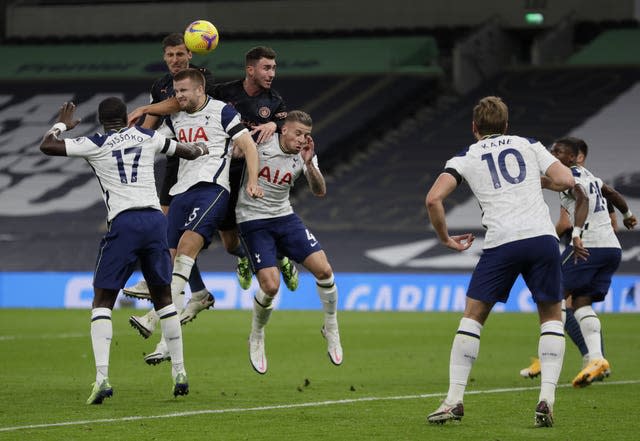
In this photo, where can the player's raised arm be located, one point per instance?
(166, 107)
(560, 177)
(51, 145)
(629, 220)
(245, 143)
(315, 179)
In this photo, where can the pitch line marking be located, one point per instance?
(45, 336)
(290, 406)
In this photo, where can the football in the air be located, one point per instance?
(201, 37)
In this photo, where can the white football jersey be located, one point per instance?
(598, 232)
(216, 124)
(277, 174)
(504, 174)
(123, 163)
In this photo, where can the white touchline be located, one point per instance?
(289, 406)
(45, 336)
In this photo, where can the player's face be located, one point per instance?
(262, 73)
(564, 154)
(190, 95)
(294, 136)
(177, 58)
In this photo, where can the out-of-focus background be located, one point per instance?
(390, 86)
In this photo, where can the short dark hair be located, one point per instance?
(299, 116)
(112, 109)
(193, 74)
(576, 145)
(174, 39)
(254, 54)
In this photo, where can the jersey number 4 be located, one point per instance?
(502, 166)
(137, 151)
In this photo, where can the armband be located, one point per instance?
(59, 126)
(627, 215)
(576, 232)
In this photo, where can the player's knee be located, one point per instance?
(323, 273)
(270, 287)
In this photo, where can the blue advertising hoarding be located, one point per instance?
(357, 292)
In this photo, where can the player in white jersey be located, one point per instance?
(122, 160)
(587, 280)
(201, 192)
(504, 174)
(269, 225)
(563, 229)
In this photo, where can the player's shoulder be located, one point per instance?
(162, 82)
(229, 85)
(208, 75)
(143, 130)
(275, 94)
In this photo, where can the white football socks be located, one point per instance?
(464, 351)
(590, 327)
(328, 292)
(172, 335)
(101, 335)
(551, 353)
(262, 308)
(182, 266)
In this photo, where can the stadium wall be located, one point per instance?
(24, 20)
(358, 292)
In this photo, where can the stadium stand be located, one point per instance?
(390, 180)
(382, 138)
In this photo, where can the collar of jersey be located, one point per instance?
(200, 108)
(493, 135)
(110, 132)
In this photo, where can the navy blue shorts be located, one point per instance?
(134, 235)
(199, 209)
(536, 258)
(591, 277)
(263, 239)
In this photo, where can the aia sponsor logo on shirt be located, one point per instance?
(264, 112)
(192, 134)
(275, 177)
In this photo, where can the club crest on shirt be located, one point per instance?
(264, 112)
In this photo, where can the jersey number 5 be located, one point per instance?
(137, 151)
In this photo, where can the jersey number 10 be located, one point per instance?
(502, 166)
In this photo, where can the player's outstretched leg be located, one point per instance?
(145, 324)
(160, 353)
(598, 366)
(551, 347)
(139, 291)
(101, 336)
(262, 308)
(328, 292)
(243, 271)
(199, 301)
(289, 273)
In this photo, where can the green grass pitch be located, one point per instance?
(395, 373)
